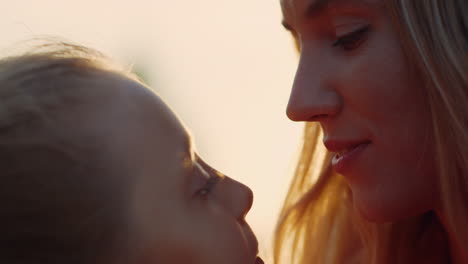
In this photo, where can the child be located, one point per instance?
(95, 168)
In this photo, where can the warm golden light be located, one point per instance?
(226, 67)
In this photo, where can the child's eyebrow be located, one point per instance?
(189, 145)
(188, 151)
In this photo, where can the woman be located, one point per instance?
(384, 84)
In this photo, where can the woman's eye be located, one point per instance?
(352, 40)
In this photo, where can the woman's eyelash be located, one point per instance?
(351, 40)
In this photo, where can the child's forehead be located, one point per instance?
(132, 119)
(150, 112)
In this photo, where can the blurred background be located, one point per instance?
(226, 67)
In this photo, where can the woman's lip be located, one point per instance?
(343, 163)
(334, 145)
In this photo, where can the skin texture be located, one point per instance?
(174, 220)
(362, 88)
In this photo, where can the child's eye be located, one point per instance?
(205, 191)
(212, 178)
(352, 40)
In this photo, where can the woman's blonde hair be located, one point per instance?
(318, 223)
(56, 203)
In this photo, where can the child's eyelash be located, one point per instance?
(213, 179)
(209, 185)
(351, 40)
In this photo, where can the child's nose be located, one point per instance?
(237, 198)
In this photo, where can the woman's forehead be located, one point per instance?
(297, 5)
(303, 7)
(294, 10)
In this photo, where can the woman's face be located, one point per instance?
(183, 210)
(354, 80)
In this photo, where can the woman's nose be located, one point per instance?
(313, 97)
(236, 197)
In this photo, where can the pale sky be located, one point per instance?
(226, 67)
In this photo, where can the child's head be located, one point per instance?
(95, 168)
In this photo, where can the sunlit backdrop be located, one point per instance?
(225, 67)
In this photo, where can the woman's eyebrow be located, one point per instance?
(314, 8)
(317, 8)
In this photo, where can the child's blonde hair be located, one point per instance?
(318, 223)
(57, 204)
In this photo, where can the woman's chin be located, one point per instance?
(380, 212)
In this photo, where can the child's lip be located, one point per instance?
(259, 260)
(251, 239)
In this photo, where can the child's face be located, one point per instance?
(184, 211)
